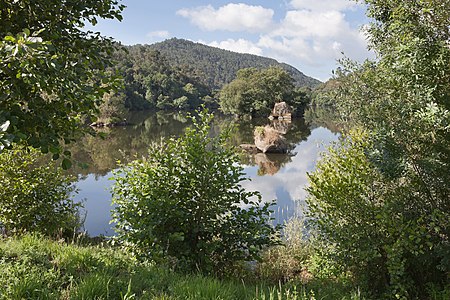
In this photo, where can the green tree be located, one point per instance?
(52, 72)
(401, 182)
(254, 92)
(35, 196)
(112, 108)
(185, 201)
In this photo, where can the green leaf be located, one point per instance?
(9, 38)
(4, 126)
(66, 164)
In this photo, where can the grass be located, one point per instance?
(37, 268)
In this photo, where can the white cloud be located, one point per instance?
(158, 34)
(231, 17)
(314, 37)
(323, 5)
(240, 45)
(305, 23)
(311, 36)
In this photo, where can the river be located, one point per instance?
(276, 176)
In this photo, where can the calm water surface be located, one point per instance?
(276, 176)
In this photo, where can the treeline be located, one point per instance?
(254, 92)
(379, 202)
(181, 75)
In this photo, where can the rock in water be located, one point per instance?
(268, 140)
(282, 126)
(282, 110)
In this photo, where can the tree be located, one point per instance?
(112, 109)
(254, 92)
(185, 201)
(52, 72)
(403, 101)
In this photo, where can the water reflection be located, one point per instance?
(276, 176)
(287, 184)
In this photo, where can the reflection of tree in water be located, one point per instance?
(323, 117)
(125, 143)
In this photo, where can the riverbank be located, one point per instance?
(39, 268)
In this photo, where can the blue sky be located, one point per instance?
(308, 34)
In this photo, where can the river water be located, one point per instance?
(276, 176)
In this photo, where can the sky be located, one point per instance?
(307, 34)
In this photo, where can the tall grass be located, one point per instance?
(33, 267)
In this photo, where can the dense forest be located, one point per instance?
(217, 66)
(181, 75)
(151, 83)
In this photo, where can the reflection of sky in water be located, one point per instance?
(97, 204)
(287, 185)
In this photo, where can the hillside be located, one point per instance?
(216, 66)
(180, 75)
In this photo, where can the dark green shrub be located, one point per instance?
(185, 201)
(35, 196)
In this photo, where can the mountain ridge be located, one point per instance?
(218, 66)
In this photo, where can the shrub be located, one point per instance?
(35, 196)
(185, 201)
(377, 227)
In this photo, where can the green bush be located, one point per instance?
(185, 201)
(375, 226)
(35, 196)
(383, 200)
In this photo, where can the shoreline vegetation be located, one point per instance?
(35, 267)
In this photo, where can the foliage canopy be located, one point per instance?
(254, 92)
(52, 72)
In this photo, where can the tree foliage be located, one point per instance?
(52, 72)
(35, 195)
(185, 201)
(150, 82)
(254, 92)
(400, 178)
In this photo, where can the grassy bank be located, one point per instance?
(38, 268)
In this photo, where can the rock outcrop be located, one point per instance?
(282, 126)
(281, 111)
(250, 148)
(268, 140)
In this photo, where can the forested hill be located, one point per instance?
(217, 67)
